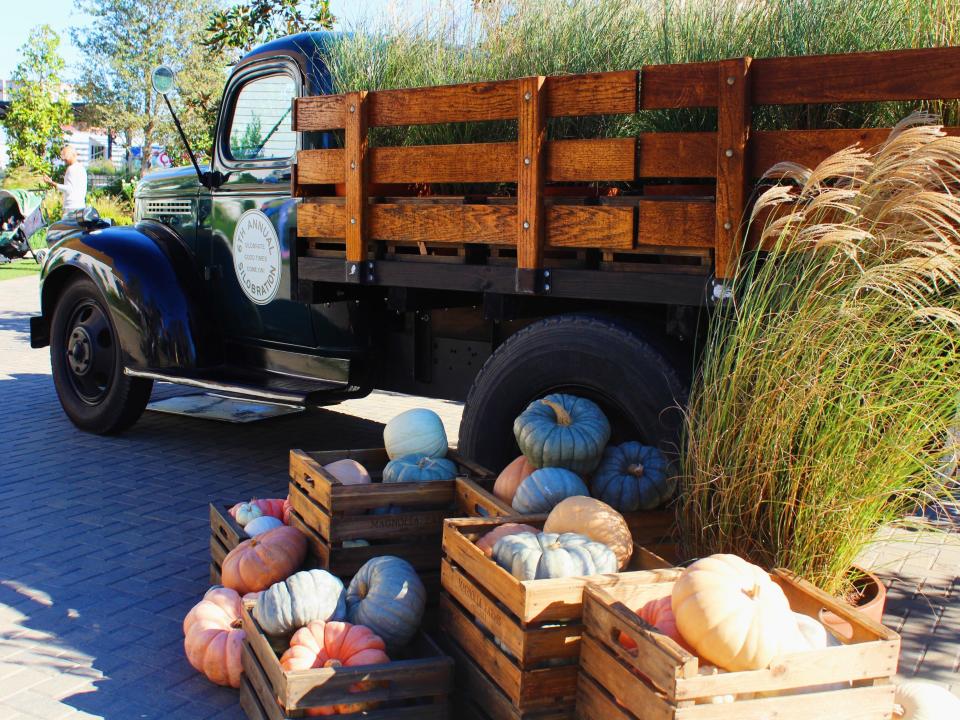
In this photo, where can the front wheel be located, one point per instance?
(599, 358)
(87, 364)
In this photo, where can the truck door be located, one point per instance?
(250, 222)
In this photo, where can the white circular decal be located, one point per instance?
(256, 256)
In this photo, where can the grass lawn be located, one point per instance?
(19, 268)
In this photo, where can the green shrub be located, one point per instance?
(52, 205)
(112, 208)
(22, 177)
(102, 167)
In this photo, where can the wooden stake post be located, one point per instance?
(733, 134)
(531, 146)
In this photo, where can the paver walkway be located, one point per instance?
(105, 544)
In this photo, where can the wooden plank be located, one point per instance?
(631, 693)
(481, 224)
(676, 223)
(602, 93)
(256, 641)
(265, 703)
(320, 167)
(585, 160)
(445, 104)
(924, 74)
(476, 501)
(678, 86)
(249, 702)
(863, 703)
(318, 112)
(677, 155)
(594, 704)
(580, 226)
(468, 163)
(531, 161)
(733, 132)
(224, 528)
(355, 169)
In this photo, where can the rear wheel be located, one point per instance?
(87, 364)
(598, 358)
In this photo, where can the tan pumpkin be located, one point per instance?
(595, 519)
(509, 480)
(212, 637)
(733, 614)
(348, 471)
(487, 542)
(258, 563)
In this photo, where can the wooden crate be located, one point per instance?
(225, 535)
(524, 635)
(414, 686)
(661, 681)
(329, 512)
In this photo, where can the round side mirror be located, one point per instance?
(162, 79)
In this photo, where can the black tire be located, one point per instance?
(595, 357)
(87, 364)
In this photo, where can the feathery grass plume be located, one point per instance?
(829, 386)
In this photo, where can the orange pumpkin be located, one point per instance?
(259, 562)
(331, 645)
(487, 542)
(658, 614)
(509, 480)
(287, 509)
(212, 637)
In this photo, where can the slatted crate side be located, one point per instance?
(661, 680)
(420, 674)
(225, 534)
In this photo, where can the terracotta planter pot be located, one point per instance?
(871, 604)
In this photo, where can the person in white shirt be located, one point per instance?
(74, 185)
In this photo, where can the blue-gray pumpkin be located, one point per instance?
(300, 599)
(562, 431)
(632, 477)
(388, 597)
(529, 556)
(546, 487)
(418, 469)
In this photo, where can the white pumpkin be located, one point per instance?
(733, 615)
(246, 512)
(919, 700)
(348, 471)
(261, 525)
(415, 432)
(814, 632)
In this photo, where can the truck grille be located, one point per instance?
(156, 208)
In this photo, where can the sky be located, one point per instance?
(62, 15)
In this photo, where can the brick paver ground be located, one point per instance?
(105, 544)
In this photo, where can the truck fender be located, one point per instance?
(151, 283)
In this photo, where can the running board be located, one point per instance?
(265, 387)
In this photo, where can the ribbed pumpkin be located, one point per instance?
(213, 638)
(562, 431)
(658, 613)
(920, 700)
(415, 432)
(262, 524)
(509, 480)
(333, 645)
(547, 555)
(244, 513)
(731, 613)
(304, 597)
(418, 469)
(632, 477)
(348, 472)
(387, 596)
(487, 542)
(257, 563)
(595, 519)
(546, 487)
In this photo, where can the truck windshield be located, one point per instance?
(260, 128)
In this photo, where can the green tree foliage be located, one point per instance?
(38, 110)
(125, 40)
(246, 24)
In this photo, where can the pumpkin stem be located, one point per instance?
(422, 462)
(635, 470)
(753, 592)
(236, 624)
(333, 663)
(563, 417)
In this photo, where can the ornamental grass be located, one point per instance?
(829, 384)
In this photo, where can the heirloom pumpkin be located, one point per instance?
(487, 542)
(546, 487)
(243, 513)
(632, 477)
(333, 645)
(658, 614)
(415, 432)
(919, 700)
(595, 519)
(213, 638)
(304, 597)
(287, 509)
(270, 506)
(509, 480)
(348, 472)
(387, 596)
(257, 563)
(562, 431)
(418, 469)
(527, 556)
(733, 615)
(260, 525)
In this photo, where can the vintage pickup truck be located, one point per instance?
(307, 265)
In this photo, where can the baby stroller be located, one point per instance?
(21, 216)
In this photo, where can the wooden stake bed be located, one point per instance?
(662, 681)
(525, 636)
(225, 535)
(553, 194)
(415, 685)
(330, 513)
